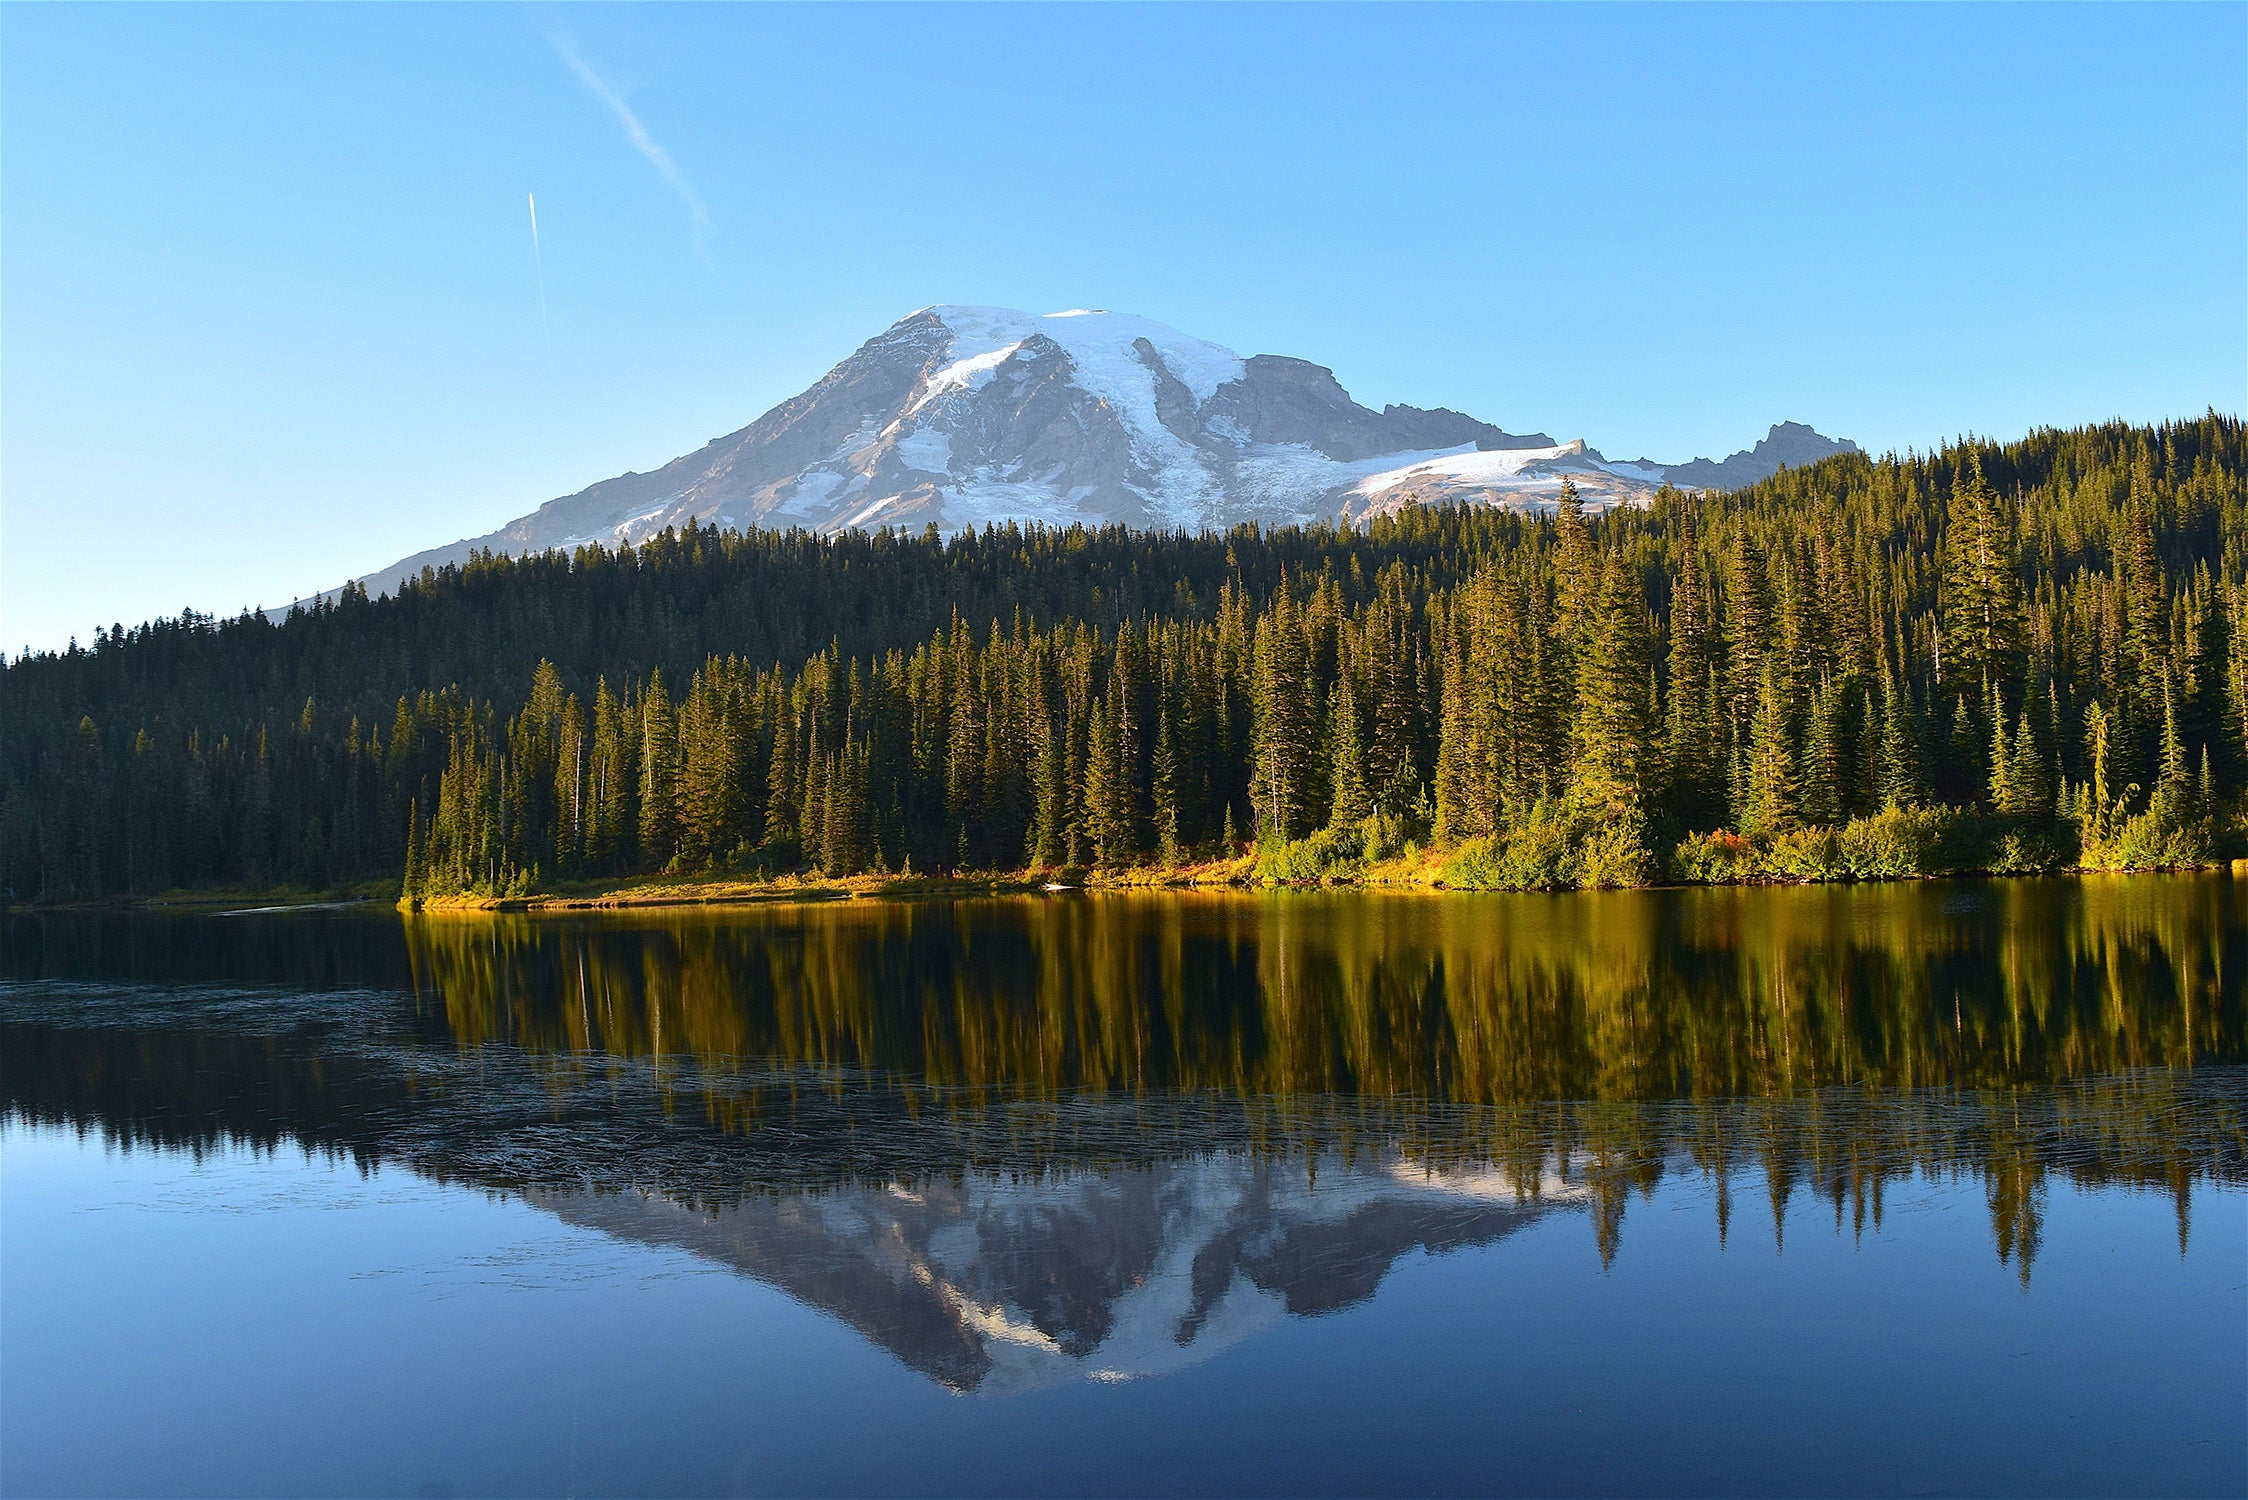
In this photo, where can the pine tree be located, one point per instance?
(416, 878)
(1107, 796)
(1284, 729)
(2097, 725)
(659, 778)
(1900, 748)
(614, 783)
(2028, 784)
(1459, 811)
(1615, 741)
(1576, 568)
(1748, 630)
(1049, 786)
(1391, 767)
(1166, 789)
(845, 847)
(1694, 732)
(1771, 802)
(2172, 790)
(570, 830)
(964, 744)
(781, 778)
(1817, 784)
(1965, 763)
(1347, 758)
(2004, 795)
(1980, 593)
(2138, 566)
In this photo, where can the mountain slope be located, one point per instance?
(969, 416)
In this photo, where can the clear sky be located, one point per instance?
(270, 314)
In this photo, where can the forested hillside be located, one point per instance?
(2006, 656)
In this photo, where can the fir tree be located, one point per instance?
(1771, 801)
(1347, 759)
(1694, 730)
(2029, 786)
(659, 778)
(1900, 748)
(1284, 732)
(1980, 594)
(1615, 742)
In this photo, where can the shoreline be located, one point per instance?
(656, 892)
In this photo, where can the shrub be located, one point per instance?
(1891, 844)
(1555, 845)
(1715, 858)
(2152, 840)
(1900, 841)
(1615, 854)
(1332, 856)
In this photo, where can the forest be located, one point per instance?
(2008, 656)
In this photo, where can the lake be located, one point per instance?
(1931, 1188)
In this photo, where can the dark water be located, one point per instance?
(1937, 1188)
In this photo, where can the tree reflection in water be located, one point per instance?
(1019, 1139)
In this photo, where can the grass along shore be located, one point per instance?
(1556, 848)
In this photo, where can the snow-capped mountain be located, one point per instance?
(1000, 1283)
(968, 416)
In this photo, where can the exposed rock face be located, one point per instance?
(1789, 445)
(971, 416)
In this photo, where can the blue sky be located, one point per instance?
(270, 316)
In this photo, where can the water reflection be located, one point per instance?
(1000, 1284)
(1022, 1141)
(1624, 995)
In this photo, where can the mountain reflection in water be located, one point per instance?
(1019, 1141)
(1001, 1284)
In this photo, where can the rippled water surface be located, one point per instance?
(1929, 1188)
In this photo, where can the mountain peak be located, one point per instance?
(968, 416)
(1789, 445)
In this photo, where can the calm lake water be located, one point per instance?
(1936, 1188)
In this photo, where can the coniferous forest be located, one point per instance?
(2018, 656)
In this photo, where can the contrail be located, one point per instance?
(537, 259)
(642, 142)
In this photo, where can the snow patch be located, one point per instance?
(925, 450)
(970, 374)
(1297, 478)
(867, 514)
(972, 504)
(1500, 467)
(811, 491)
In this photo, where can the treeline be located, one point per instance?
(1997, 656)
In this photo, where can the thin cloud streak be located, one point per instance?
(635, 132)
(538, 257)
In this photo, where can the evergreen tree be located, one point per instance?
(659, 778)
(1166, 788)
(1981, 596)
(2030, 782)
(1347, 758)
(819, 701)
(1614, 751)
(1900, 748)
(1771, 805)
(1695, 728)
(1285, 734)
(2096, 740)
